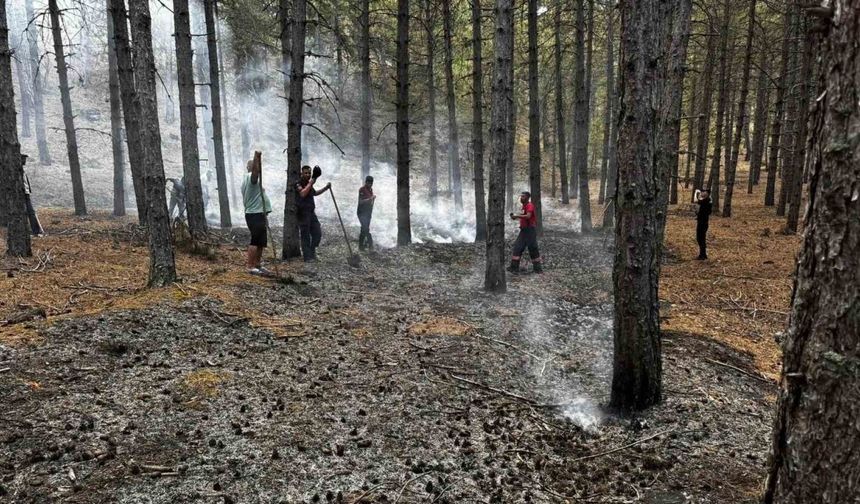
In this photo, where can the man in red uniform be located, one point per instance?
(527, 237)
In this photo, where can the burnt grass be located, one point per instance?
(182, 402)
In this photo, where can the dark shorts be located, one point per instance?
(257, 225)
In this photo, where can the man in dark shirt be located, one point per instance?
(527, 237)
(309, 225)
(703, 214)
(366, 199)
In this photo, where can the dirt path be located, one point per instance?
(398, 382)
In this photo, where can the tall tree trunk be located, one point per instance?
(404, 225)
(677, 35)
(561, 136)
(431, 98)
(722, 107)
(580, 119)
(691, 127)
(130, 110)
(11, 171)
(787, 140)
(612, 176)
(215, 95)
(188, 120)
(759, 118)
(68, 115)
(453, 131)
(293, 29)
(169, 106)
(815, 456)
(494, 276)
(610, 105)
(637, 363)
(228, 141)
(742, 113)
(512, 133)
(534, 115)
(795, 187)
(338, 82)
(585, 172)
(38, 85)
(364, 106)
(779, 107)
(115, 122)
(162, 269)
(705, 105)
(26, 95)
(201, 70)
(478, 123)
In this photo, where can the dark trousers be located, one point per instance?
(527, 239)
(365, 240)
(35, 226)
(311, 233)
(701, 239)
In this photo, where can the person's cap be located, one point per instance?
(526, 193)
(368, 179)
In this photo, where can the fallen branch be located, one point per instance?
(739, 370)
(509, 345)
(621, 448)
(367, 492)
(493, 389)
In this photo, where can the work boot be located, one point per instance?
(537, 267)
(515, 266)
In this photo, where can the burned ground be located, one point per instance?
(400, 381)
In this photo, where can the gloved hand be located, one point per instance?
(317, 172)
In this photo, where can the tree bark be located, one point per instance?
(608, 109)
(162, 268)
(26, 94)
(691, 127)
(188, 120)
(584, 172)
(788, 138)
(215, 97)
(561, 135)
(779, 107)
(534, 114)
(760, 117)
(364, 106)
(637, 364)
(512, 131)
(706, 104)
(478, 123)
(722, 104)
(115, 122)
(612, 176)
(429, 20)
(580, 120)
(68, 115)
(293, 57)
(130, 111)
(228, 141)
(453, 130)
(677, 36)
(795, 187)
(494, 276)
(742, 113)
(815, 456)
(404, 225)
(11, 171)
(38, 86)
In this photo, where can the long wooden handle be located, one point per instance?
(336, 209)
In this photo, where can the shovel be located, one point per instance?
(354, 260)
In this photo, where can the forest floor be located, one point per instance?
(400, 381)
